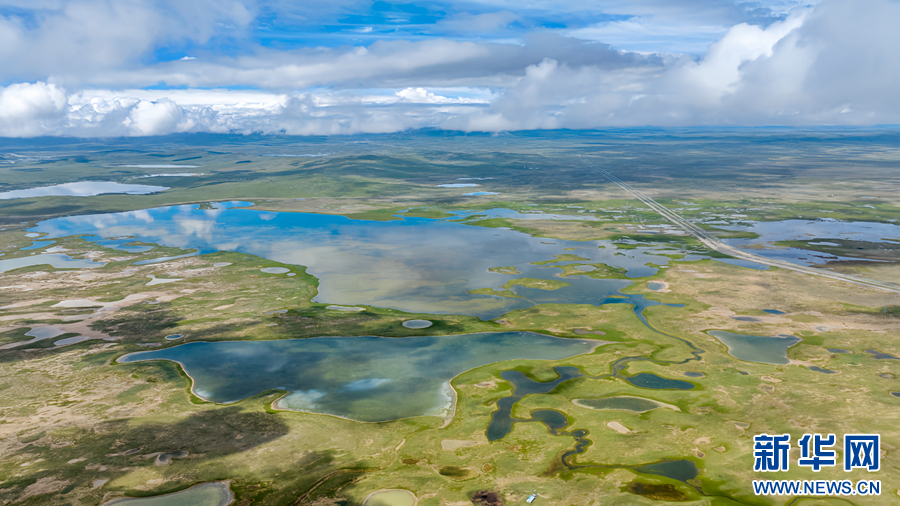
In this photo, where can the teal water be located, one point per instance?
(760, 349)
(648, 380)
(417, 265)
(206, 494)
(57, 260)
(681, 470)
(364, 378)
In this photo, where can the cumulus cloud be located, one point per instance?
(835, 64)
(27, 110)
(832, 63)
(83, 37)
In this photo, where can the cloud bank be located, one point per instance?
(834, 63)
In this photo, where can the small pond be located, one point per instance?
(57, 260)
(681, 470)
(759, 349)
(82, 189)
(652, 381)
(417, 324)
(206, 494)
(275, 270)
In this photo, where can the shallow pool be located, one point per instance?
(760, 349)
(362, 378)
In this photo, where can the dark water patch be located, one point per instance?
(186, 159)
(745, 318)
(554, 420)
(773, 311)
(456, 472)
(502, 421)
(654, 285)
(838, 350)
(881, 356)
(649, 380)
(694, 374)
(886, 375)
(681, 470)
(242, 161)
(664, 492)
(895, 394)
(821, 370)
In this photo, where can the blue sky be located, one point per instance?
(147, 67)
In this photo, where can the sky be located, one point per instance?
(95, 68)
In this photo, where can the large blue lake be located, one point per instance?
(418, 265)
(363, 378)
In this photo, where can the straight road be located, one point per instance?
(714, 244)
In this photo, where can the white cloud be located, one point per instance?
(28, 110)
(477, 23)
(79, 38)
(835, 63)
(423, 96)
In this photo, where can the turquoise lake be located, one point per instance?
(418, 265)
(365, 378)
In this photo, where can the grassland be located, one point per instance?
(78, 428)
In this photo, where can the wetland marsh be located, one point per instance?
(410, 264)
(548, 335)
